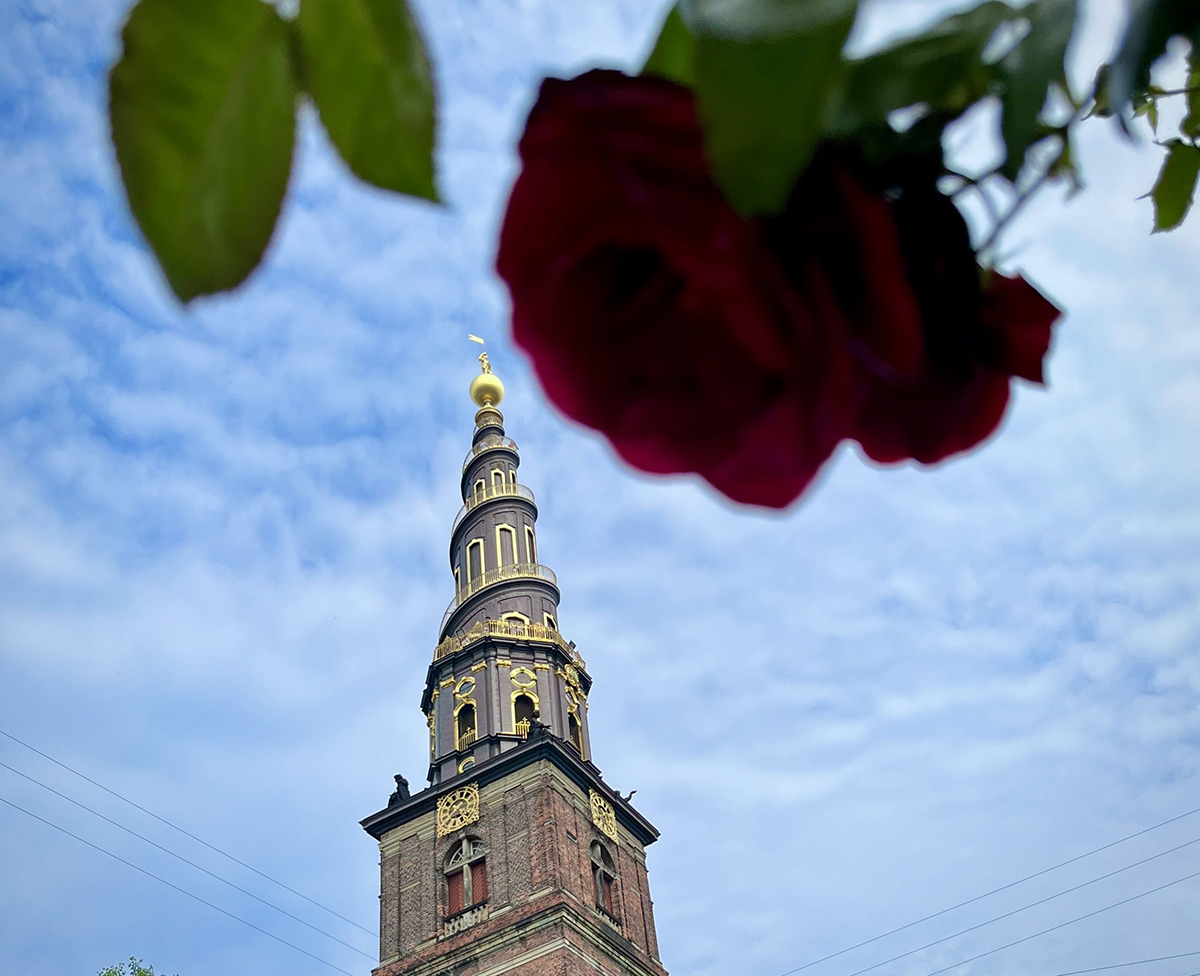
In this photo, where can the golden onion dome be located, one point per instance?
(487, 390)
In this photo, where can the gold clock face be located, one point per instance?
(458, 808)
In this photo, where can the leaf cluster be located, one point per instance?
(135, 967)
(203, 105)
(773, 81)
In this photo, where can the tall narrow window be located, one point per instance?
(512, 476)
(530, 545)
(475, 563)
(549, 620)
(480, 487)
(466, 875)
(523, 709)
(506, 545)
(575, 733)
(603, 878)
(457, 580)
(465, 725)
(498, 478)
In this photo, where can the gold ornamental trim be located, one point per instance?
(458, 808)
(603, 816)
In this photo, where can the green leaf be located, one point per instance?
(674, 54)
(1176, 185)
(1152, 23)
(1028, 71)
(765, 71)
(202, 107)
(941, 68)
(1190, 126)
(367, 71)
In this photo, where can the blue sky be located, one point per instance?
(223, 560)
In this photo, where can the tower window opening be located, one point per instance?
(506, 545)
(465, 726)
(603, 878)
(475, 561)
(498, 478)
(466, 875)
(480, 487)
(530, 545)
(575, 733)
(549, 620)
(523, 709)
(512, 476)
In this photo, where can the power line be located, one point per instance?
(167, 850)
(186, 833)
(986, 894)
(1017, 911)
(1134, 962)
(1063, 925)
(182, 891)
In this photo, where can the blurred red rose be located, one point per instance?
(652, 311)
(697, 340)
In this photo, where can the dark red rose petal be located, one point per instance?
(1022, 319)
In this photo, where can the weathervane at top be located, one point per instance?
(486, 388)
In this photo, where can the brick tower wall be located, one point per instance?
(540, 917)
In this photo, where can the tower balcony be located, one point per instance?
(512, 630)
(506, 490)
(493, 442)
(501, 574)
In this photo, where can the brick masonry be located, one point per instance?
(540, 917)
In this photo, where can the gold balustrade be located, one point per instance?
(522, 728)
(513, 629)
(498, 575)
(487, 444)
(506, 490)
(466, 739)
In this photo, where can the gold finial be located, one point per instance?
(486, 389)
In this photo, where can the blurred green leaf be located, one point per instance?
(764, 78)
(1028, 71)
(1176, 185)
(941, 68)
(202, 107)
(1191, 123)
(366, 68)
(1152, 23)
(674, 54)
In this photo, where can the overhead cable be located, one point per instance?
(186, 833)
(167, 850)
(1063, 925)
(182, 891)
(1032, 904)
(986, 894)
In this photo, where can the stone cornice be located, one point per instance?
(538, 747)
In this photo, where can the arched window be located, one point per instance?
(523, 709)
(480, 487)
(512, 476)
(465, 725)
(515, 617)
(498, 478)
(475, 561)
(575, 733)
(466, 764)
(530, 545)
(604, 875)
(549, 621)
(466, 875)
(506, 545)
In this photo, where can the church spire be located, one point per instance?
(521, 673)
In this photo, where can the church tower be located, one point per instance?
(518, 858)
